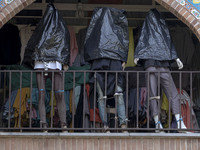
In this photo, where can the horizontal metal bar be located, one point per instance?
(90, 7)
(172, 19)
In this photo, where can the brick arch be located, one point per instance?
(182, 13)
(10, 10)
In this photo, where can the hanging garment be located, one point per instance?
(25, 34)
(80, 60)
(10, 45)
(82, 112)
(137, 105)
(94, 111)
(186, 110)
(35, 101)
(6, 106)
(130, 60)
(20, 103)
(73, 45)
(184, 45)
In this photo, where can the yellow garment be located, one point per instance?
(24, 95)
(165, 107)
(130, 60)
(196, 1)
(54, 103)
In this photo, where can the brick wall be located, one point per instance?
(172, 5)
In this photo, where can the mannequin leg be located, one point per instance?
(41, 80)
(180, 123)
(121, 108)
(153, 95)
(101, 106)
(172, 95)
(59, 95)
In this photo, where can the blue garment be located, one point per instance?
(120, 106)
(35, 101)
(66, 96)
(6, 105)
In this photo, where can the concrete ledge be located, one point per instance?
(98, 135)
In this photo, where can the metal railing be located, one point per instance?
(84, 116)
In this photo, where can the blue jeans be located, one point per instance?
(120, 105)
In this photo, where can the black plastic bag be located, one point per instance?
(155, 41)
(50, 40)
(107, 35)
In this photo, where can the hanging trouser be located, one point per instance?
(120, 105)
(168, 86)
(59, 95)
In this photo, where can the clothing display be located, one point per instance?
(107, 51)
(50, 41)
(121, 70)
(154, 52)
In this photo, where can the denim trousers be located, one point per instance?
(120, 105)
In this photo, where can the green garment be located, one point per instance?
(26, 77)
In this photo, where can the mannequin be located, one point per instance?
(103, 54)
(155, 52)
(48, 49)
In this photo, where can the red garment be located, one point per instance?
(185, 111)
(97, 117)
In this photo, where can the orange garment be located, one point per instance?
(92, 113)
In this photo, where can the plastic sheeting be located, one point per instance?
(107, 35)
(155, 41)
(50, 40)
